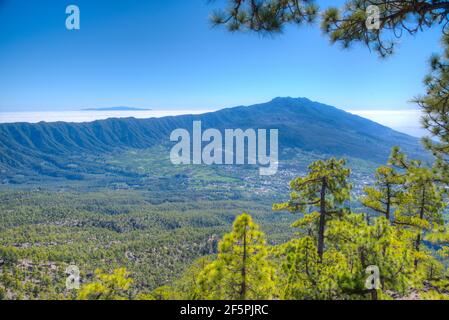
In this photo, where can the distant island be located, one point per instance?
(116, 109)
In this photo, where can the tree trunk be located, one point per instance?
(387, 213)
(322, 219)
(243, 271)
(374, 295)
(421, 216)
(417, 244)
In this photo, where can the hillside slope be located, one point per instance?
(44, 148)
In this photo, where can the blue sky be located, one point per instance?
(163, 54)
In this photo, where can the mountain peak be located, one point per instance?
(290, 99)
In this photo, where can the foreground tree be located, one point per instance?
(265, 16)
(325, 188)
(436, 107)
(367, 247)
(356, 22)
(113, 286)
(303, 275)
(353, 246)
(242, 270)
(385, 194)
(421, 205)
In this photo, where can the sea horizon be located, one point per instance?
(80, 116)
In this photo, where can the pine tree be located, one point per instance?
(352, 246)
(242, 269)
(351, 24)
(435, 106)
(347, 25)
(383, 196)
(422, 204)
(381, 245)
(113, 286)
(325, 188)
(264, 16)
(303, 275)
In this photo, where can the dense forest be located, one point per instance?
(317, 245)
(154, 236)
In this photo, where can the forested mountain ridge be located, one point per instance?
(302, 124)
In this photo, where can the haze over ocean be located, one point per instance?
(406, 121)
(88, 115)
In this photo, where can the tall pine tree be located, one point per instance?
(325, 188)
(242, 270)
(383, 196)
(422, 204)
